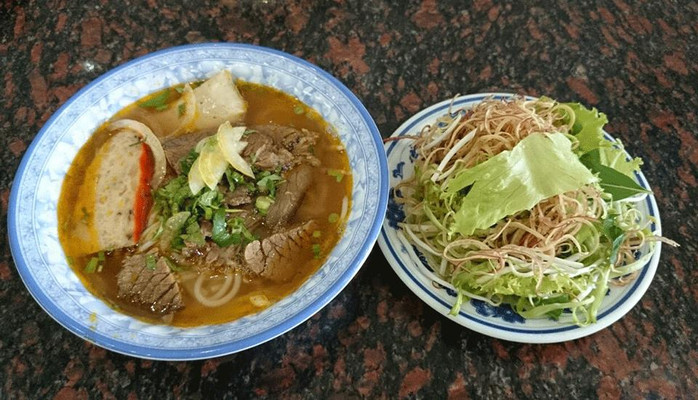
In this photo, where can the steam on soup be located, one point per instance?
(204, 202)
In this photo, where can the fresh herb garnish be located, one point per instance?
(150, 262)
(334, 217)
(338, 174)
(262, 203)
(316, 250)
(181, 109)
(317, 234)
(613, 182)
(268, 183)
(186, 162)
(158, 102)
(173, 266)
(91, 266)
(298, 109)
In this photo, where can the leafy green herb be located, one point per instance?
(181, 109)
(174, 197)
(249, 132)
(186, 162)
(193, 233)
(268, 183)
(209, 201)
(100, 256)
(334, 217)
(316, 250)
(150, 262)
(235, 178)
(171, 232)
(613, 182)
(220, 234)
(158, 102)
(237, 227)
(173, 266)
(179, 89)
(317, 234)
(91, 266)
(338, 175)
(298, 109)
(70, 260)
(614, 233)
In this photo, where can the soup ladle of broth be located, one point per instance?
(204, 202)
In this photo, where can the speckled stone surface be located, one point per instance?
(636, 61)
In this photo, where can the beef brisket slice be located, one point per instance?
(290, 194)
(278, 256)
(156, 288)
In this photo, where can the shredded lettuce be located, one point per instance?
(538, 167)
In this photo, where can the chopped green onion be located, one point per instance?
(338, 175)
(91, 266)
(298, 109)
(100, 256)
(150, 262)
(316, 234)
(316, 250)
(262, 203)
(173, 266)
(158, 102)
(334, 217)
(181, 109)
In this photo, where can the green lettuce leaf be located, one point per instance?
(588, 127)
(538, 167)
(615, 157)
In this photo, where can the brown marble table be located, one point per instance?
(636, 61)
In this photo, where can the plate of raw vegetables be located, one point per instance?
(519, 217)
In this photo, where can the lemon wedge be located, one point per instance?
(212, 164)
(231, 145)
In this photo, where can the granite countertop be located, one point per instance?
(636, 62)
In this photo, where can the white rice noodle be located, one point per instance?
(467, 138)
(222, 295)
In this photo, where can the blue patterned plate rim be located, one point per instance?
(114, 344)
(506, 330)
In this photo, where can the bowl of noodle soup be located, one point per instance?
(33, 221)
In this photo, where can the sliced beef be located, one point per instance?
(275, 146)
(266, 154)
(238, 197)
(290, 194)
(156, 288)
(177, 147)
(277, 256)
(299, 142)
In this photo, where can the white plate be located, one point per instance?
(32, 220)
(500, 322)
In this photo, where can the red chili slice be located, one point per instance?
(144, 198)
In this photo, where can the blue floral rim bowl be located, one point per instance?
(32, 217)
(499, 322)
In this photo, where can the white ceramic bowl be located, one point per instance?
(500, 322)
(32, 219)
